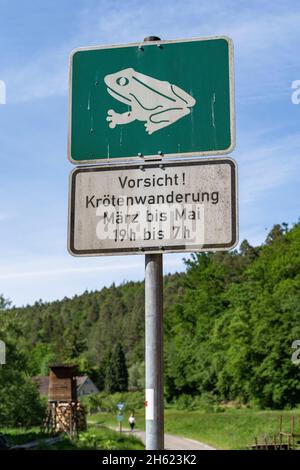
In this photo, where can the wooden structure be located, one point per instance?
(85, 386)
(64, 414)
(292, 437)
(284, 440)
(269, 444)
(62, 383)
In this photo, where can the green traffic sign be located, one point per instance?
(153, 99)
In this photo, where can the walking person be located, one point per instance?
(131, 422)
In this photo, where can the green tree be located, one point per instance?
(4, 303)
(20, 402)
(230, 320)
(116, 379)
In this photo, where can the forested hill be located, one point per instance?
(230, 321)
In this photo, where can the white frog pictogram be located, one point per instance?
(157, 102)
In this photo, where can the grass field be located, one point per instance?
(232, 429)
(18, 436)
(96, 438)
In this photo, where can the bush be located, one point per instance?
(20, 402)
(137, 376)
(184, 402)
(108, 402)
(206, 402)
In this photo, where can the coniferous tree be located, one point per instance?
(116, 378)
(119, 359)
(230, 322)
(110, 377)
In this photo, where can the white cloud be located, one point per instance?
(43, 77)
(6, 216)
(265, 41)
(51, 278)
(76, 266)
(267, 166)
(50, 273)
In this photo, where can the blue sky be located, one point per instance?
(36, 38)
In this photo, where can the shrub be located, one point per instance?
(108, 402)
(184, 402)
(206, 402)
(20, 402)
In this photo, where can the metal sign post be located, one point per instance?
(147, 102)
(120, 418)
(154, 351)
(154, 346)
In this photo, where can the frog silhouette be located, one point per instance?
(157, 102)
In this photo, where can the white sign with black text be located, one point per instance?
(153, 208)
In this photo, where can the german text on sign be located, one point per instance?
(153, 208)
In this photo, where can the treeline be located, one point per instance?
(230, 321)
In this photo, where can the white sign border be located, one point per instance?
(135, 251)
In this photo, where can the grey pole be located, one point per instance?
(154, 351)
(154, 345)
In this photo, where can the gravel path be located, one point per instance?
(175, 442)
(171, 442)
